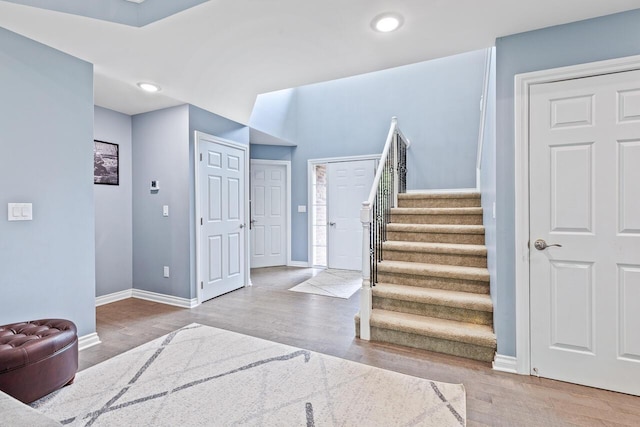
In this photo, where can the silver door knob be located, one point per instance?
(242, 225)
(541, 245)
(253, 221)
(332, 224)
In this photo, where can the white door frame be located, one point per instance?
(287, 166)
(310, 167)
(198, 208)
(523, 83)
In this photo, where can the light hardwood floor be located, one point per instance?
(323, 324)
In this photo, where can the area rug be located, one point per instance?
(332, 283)
(203, 376)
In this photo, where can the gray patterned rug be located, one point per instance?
(203, 376)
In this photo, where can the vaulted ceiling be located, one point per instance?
(220, 54)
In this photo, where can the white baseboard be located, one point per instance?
(116, 296)
(298, 264)
(505, 364)
(147, 295)
(89, 340)
(165, 299)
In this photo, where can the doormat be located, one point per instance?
(332, 283)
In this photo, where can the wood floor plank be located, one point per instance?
(270, 311)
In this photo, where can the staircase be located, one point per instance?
(432, 289)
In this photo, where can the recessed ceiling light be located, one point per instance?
(149, 87)
(387, 22)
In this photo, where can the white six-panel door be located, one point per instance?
(349, 186)
(268, 214)
(585, 196)
(223, 224)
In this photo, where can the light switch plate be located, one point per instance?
(166, 271)
(20, 212)
(302, 208)
(165, 210)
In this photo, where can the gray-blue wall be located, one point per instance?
(163, 144)
(212, 124)
(437, 105)
(275, 113)
(592, 40)
(161, 152)
(46, 133)
(271, 152)
(113, 206)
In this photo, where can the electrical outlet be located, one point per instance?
(166, 271)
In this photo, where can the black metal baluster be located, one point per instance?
(384, 200)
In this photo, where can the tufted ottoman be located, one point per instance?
(37, 357)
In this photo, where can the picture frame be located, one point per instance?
(106, 163)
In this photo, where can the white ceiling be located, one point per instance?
(221, 54)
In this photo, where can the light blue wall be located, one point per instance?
(275, 113)
(271, 152)
(437, 105)
(212, 124)
(161, 152)
(488, 185)
(597, 39)
(128, 13)
(113, 205)
(47, 266)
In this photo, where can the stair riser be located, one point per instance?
(439, 203)
(469, 351)
(402, 236)
(431, 310)
(437, 219)
(431, 258)
(460, 285)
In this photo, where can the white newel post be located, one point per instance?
(396, 172)
(365, 292)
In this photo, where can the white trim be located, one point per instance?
(523, 83)
(298, 264)
(113, 297)
(287, 165)
(87, 341)
(344, 159)
(483, 114)
(321, 161)
(247, 167)
(165, 299)
(505, 364)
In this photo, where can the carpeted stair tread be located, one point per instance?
(435, 270)
(427, 195)
(437, 211)
(481, 335)
(464, 300)
(435, 248)
(436, 228)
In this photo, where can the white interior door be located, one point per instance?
(349, 186)
(223, 227)
(585, 196)
(268, 214)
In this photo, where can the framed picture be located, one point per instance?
(106, 163)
